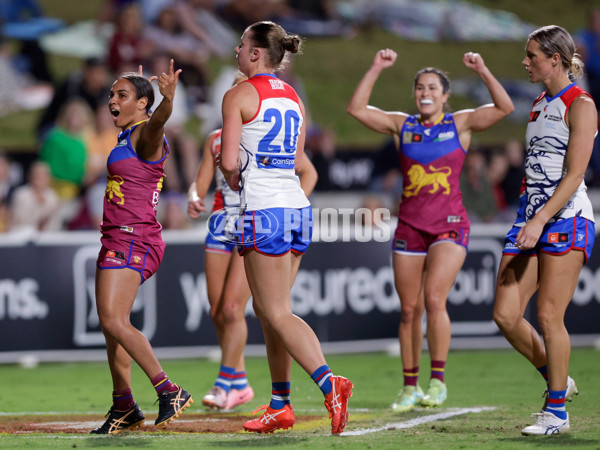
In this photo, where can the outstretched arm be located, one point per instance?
(487, 115)
(149, 146)
(359, 108)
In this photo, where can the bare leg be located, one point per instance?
(408, 273)
(115, 293)
(444, 261)
(516, 284)
(231, 313)
(558, 279)
(119, 363)
(270, 279)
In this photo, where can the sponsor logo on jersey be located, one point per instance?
(115, 254)
(454, 219)
(533, 115)
(553, 118)
(126, 228)
(275, 162)
(400, 244)
(122, 143)
(449, 235)
(556, 238)
(445, 136)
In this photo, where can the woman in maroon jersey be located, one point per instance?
(432, 236)
(132, 245)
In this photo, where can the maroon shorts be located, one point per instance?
(410, 240)
(118, 254)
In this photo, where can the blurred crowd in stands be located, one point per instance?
(62, 188)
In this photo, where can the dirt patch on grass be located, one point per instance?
(186, 423)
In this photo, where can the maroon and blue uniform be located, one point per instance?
(431, 210)
(131, 233)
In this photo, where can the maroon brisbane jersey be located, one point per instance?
(431, 159)
(133, 186)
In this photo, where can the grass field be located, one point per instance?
(500, 382)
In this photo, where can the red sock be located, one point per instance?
(437, 370)
(162, 383)
(122, 399)
(411, 376)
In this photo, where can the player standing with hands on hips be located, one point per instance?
(262, 146)
(132, 245)
(553, 234)
(431, 239)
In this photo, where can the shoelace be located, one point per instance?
(260, 408)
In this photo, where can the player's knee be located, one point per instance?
(548, 320)
(408, 313)
(111, 325)
(232, 312)
(435, 303)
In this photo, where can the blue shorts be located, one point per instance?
(558, 238)
(275, 231)
(221, 231)
(120, 254)
(412, 241)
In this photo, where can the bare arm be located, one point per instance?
(150, 143)
(487, 115)
(370, 116)
(199, 188)
(583, 119)
(232, 134)
(307, 173)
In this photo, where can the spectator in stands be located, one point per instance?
(64, 149)
(513, 179)
(169, 36)
(476, 188)
(90, 85)
(241, 13)
(100, 140)
(25, 21)
(200, 18)
(173, 207)
(128, 47)
(36, 205)
(497, 169)
(8, 182)
(19, 90)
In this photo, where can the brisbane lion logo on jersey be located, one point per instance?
(113, 189)
(420, 178)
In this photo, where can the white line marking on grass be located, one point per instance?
(90, 424)
(419, 420)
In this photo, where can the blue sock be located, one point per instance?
(225, 378)
(322, 376)
(556, 403)
(239, 380)
(280, 395)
